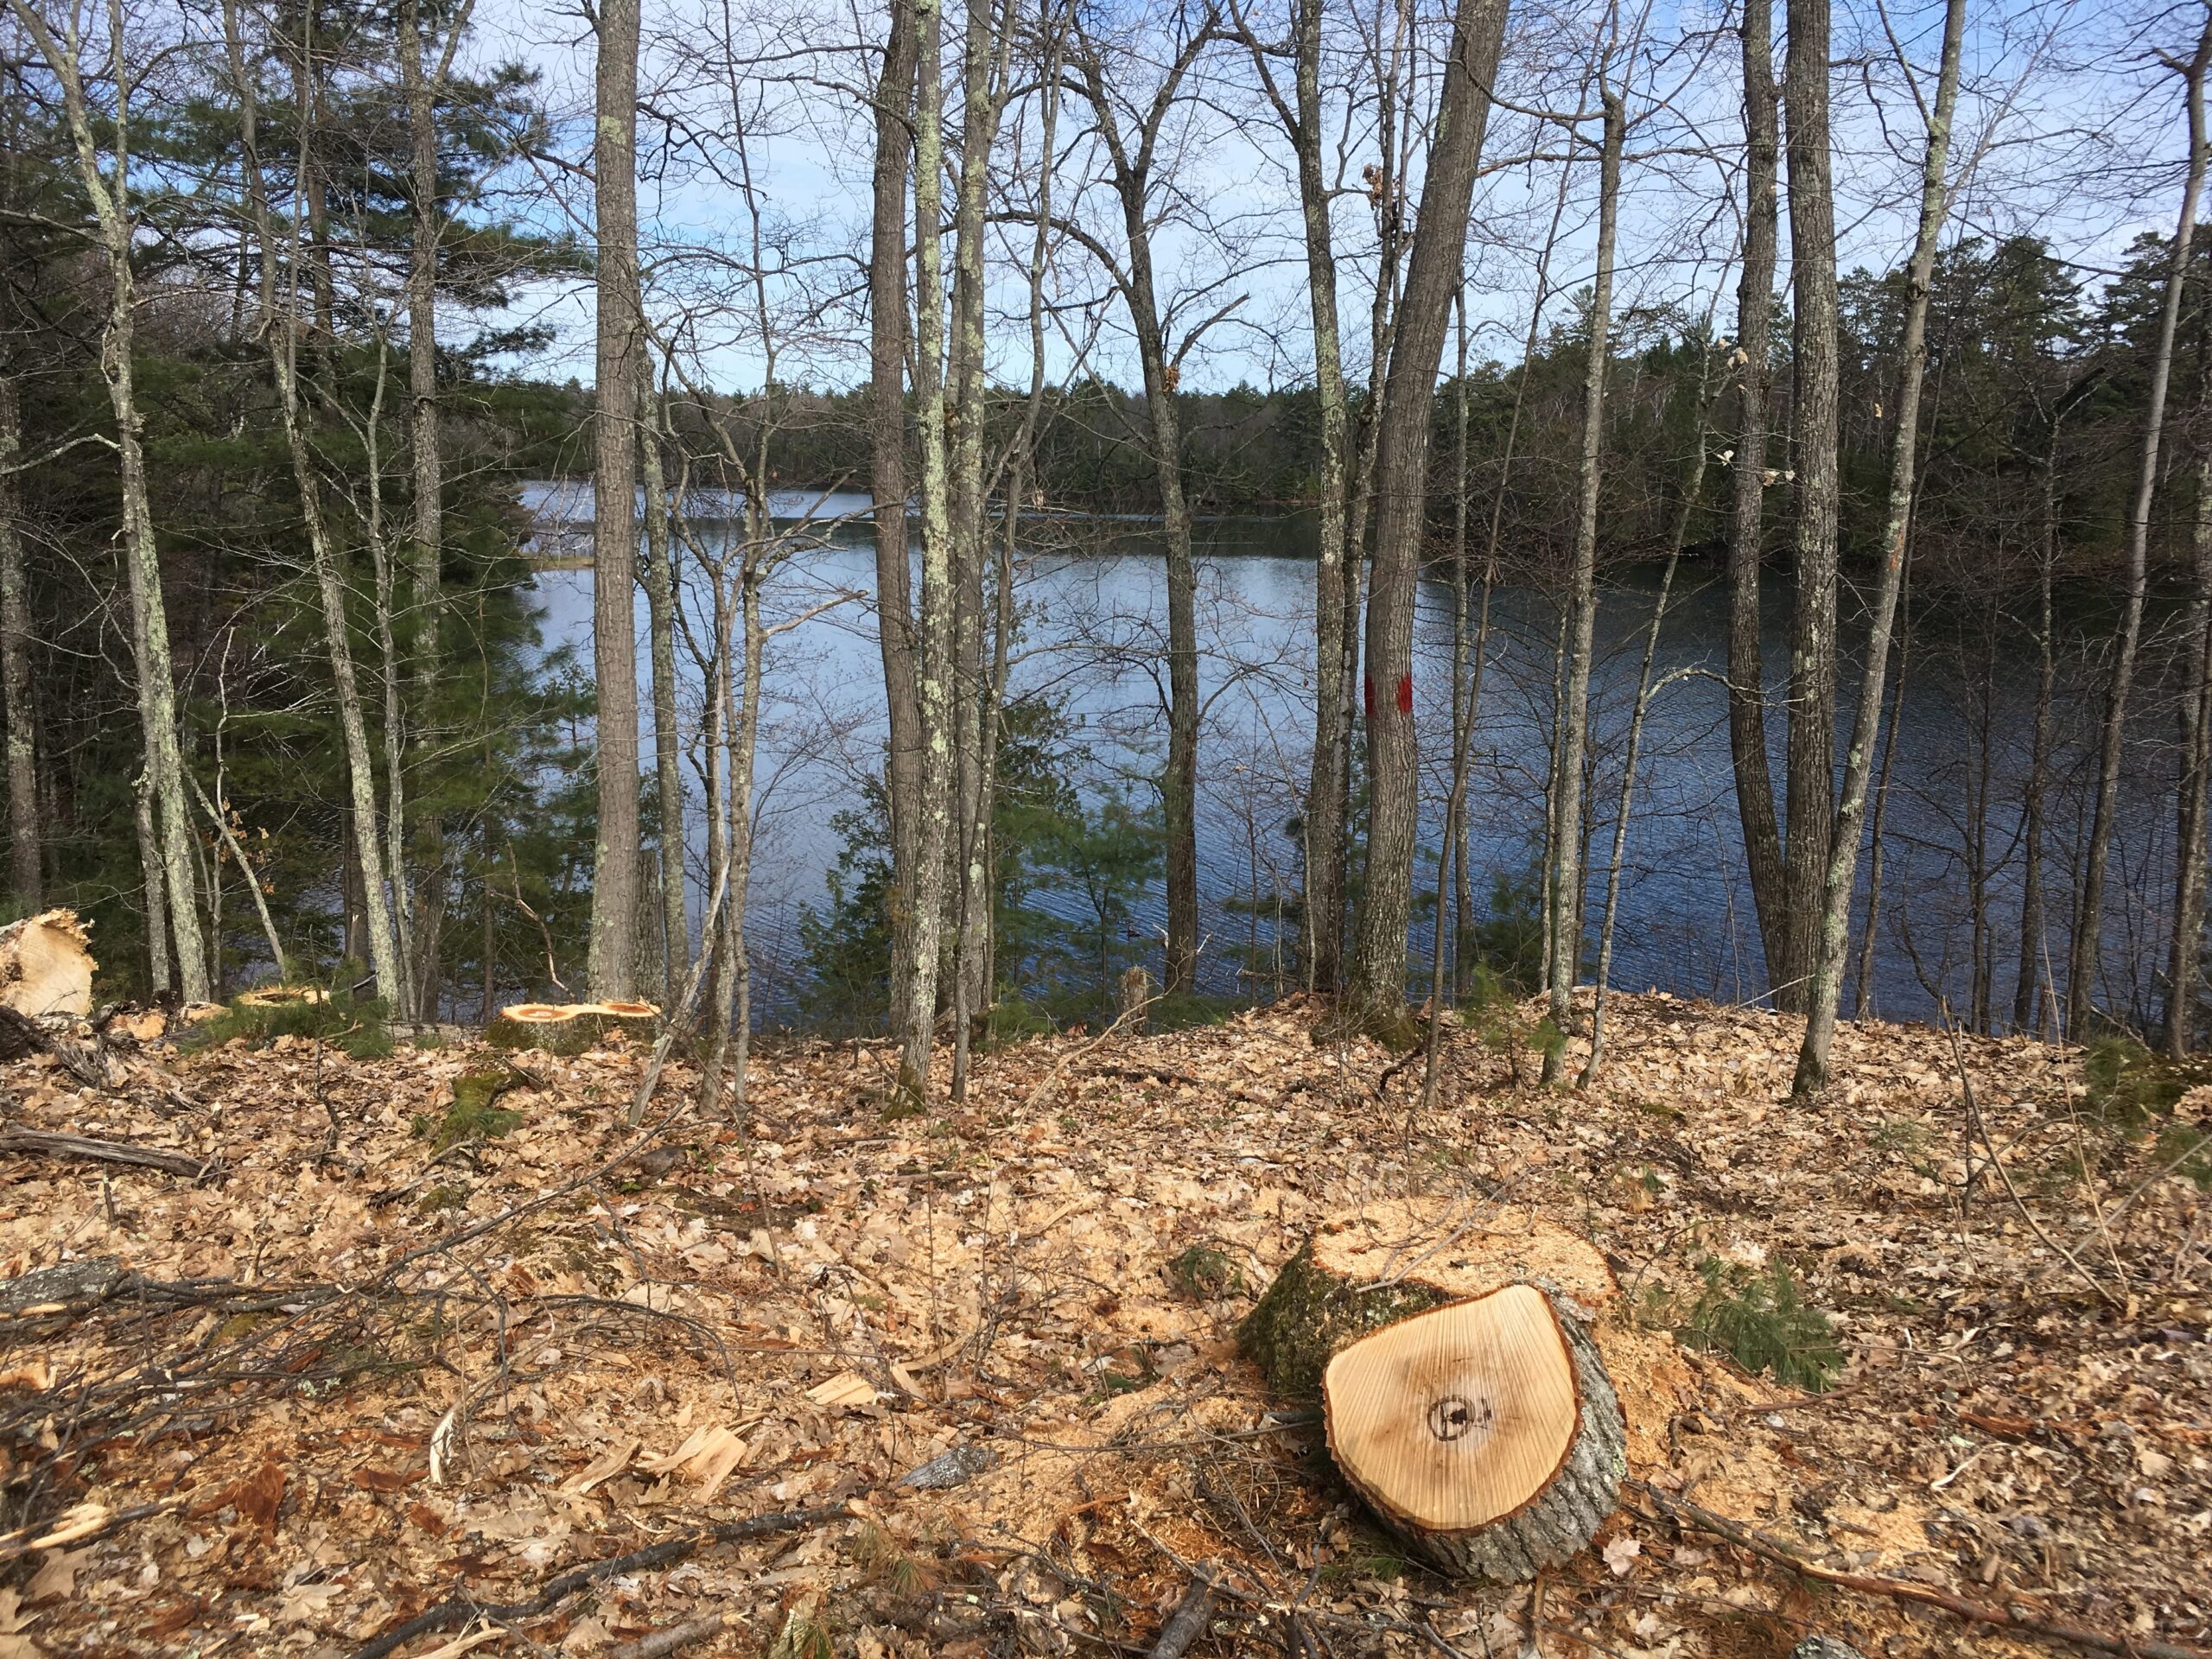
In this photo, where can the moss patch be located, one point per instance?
(1307, 1315)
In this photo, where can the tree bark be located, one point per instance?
(177, 905)
(1809, 766)
(1826, 990)
(895, 604)
(426, 450)
(915, 1011)
(1301, 118)
(25, 860)
(2186, 957)
(668, 752)
(983, 93)
(2083, 965)
(279, 327)
(1378, 976)
(613, 955)
(2028, 977)
(1132, 178)
(1572, 750)
(1754, 326)
(1693, 487)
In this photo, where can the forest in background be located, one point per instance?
(275, 372)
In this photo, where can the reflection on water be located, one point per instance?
(1091, 637)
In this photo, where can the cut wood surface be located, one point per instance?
(1386, 1262)
(46, 965)
(571, 1027)
(1464, 1396)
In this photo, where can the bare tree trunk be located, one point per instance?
(747, 727)
(1826, 990)
(2082, 968)
(1746, 659)
(1449, 848)
(1132, 177)
(2184, 959)
(1809, 766)
(25, 863)
(668, 751)
(894, 606)
(2027, 976)
(1301, 118)
(279, 327)
(983, 91)
(425, 444)
(1693, 487)
(1864, 995)
(110, 200)
(1572, 751)
(1378, 976)
(389, 676)
(915, 1012)
(614, 956)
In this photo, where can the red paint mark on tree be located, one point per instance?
(1405, 694)
(1369, 683)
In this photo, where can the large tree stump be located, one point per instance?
(46, 965)
(571, 1027)
(1464, 1398)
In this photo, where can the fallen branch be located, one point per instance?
(42, 1143)
(662, 1642)
(2014, 1617)
(1188, 1622)
(458, 1610)
(22, 1036)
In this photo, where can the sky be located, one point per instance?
(2069, 130)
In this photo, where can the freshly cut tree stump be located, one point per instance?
(281, 996)
(46, 965)
(571, 1027)
(1464, 1398)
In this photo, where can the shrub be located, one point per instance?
(1757, 1318)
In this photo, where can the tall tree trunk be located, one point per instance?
(1335, 619)
(614, 958)
(1826, 990)
(1378, 976)
(894, 605)
(1811, 764)
(109, 197)
(1132, 176)
(1865, 995)
(279, 326)
(915, 1011)
(25, 861)
(746, 732)
(2185, 955)
(1754, 326)
(426, 562)
(1693, 487)
(982, 99)
(2082, 968)
(668, 751)
(2027, 975)
(1572, 752)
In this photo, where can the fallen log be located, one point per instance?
(46, 965)
(571, 1027)
(1464, 1396)
(42, 1143)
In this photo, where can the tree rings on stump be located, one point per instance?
(46, 965)
(571, 1027)
(1464, 1398)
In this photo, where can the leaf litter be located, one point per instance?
(988, 1357)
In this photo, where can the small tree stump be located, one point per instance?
(571, 1027)
(1464, 1396)
(46, 965)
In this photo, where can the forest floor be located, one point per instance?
(341, 1379)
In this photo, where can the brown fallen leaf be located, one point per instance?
(260, 1495)
(602, 1468)
(36, 1374)
(57, 1575)
(371, 1479)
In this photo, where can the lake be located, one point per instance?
(1092, 598)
